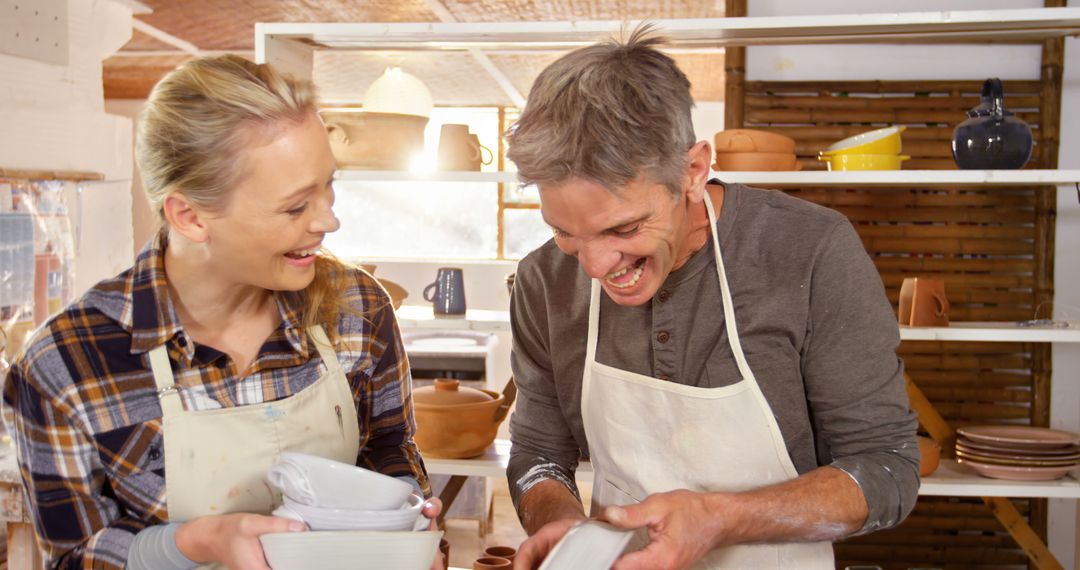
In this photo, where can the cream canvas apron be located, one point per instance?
(648, 436)
(216, 460)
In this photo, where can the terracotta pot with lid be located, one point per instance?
(454, 421)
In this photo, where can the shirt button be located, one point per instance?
(664, 295)
(662, 336)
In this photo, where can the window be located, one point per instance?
(437, 219)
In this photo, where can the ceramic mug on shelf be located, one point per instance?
(923, 302)
(461, 150)
(447, 293)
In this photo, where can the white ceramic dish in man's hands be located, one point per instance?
(591, 545)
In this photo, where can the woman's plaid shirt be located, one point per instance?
(85, 415)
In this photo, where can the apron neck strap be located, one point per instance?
(325, 347)
(725, 293)
(167, 391)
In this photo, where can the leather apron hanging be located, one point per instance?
(215, 460)
(648, 436)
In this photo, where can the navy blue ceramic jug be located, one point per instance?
(992, 138)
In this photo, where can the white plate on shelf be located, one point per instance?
(591, 545)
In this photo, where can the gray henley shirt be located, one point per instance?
(816, 327)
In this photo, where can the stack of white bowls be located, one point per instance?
(352, 513)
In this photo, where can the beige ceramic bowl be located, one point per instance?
(455, 422)
(375, 141)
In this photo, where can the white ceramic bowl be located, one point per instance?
(351, 549)
(321, 482)
(322, 518)
(590, 545)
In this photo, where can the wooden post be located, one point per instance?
(939, 429)
(734, 72)
(1030, 542)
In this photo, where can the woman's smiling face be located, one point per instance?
(278, 214)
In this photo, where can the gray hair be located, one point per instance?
(609, 113)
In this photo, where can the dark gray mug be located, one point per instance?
(447, 293)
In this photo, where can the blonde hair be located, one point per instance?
(608, 112)
(192, 131)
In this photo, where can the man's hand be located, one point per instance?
(534, 550)
(681, 524)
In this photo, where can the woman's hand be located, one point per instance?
(232, 540)
(431, 509)
(534, 550)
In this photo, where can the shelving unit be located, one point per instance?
(950, 478)
(955, 26)
(291, 46)
(988, 178)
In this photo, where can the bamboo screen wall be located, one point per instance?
(993, 248)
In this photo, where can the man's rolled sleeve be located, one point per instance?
(543, 447)
(854, 380)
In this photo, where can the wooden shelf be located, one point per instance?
(905, 178)
(954, 480)
(993, 332)
(950, 479)
(816, 178)
(423, 317)
(926, 27)
(349, 175)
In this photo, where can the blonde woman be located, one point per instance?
(147, 412)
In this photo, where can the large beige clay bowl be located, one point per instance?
(375, 141)
(454, 431)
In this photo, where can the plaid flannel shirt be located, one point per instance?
(87, 421)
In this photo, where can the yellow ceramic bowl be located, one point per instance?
(880, 141)
(864, 161)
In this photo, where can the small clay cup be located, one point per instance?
(492, 563)
(507, 552)
(444, 549)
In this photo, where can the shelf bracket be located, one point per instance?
(944, 434)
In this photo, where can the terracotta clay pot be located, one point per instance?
(761, 161)
(929, 456)
(456, 422)
(752, 140)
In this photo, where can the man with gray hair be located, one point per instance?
(740, 418)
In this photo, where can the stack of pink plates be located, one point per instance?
(1020, 453)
